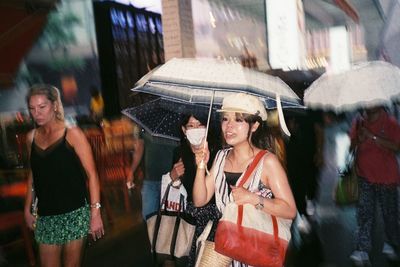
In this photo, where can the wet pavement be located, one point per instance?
(125, 242)
(334, 241)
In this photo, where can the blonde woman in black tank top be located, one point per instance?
(61, 161)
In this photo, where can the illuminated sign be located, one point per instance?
(339, 59)
(285, 25)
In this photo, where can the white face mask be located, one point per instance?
(196, 135)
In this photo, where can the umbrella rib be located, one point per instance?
(238, 88)
(228, 87)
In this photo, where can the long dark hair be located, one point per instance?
(185, 119)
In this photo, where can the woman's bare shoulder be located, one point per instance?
(270, 158)
(29, 136)
(74, 129)
(75, 135)
(272, 164)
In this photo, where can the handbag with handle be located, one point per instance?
(252, 236)
(175, 193)
(346, 192)
(206, 254)
(170, 232)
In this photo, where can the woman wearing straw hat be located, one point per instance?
(244, 130)
(60, 161)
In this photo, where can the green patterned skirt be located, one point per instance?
(63, 228)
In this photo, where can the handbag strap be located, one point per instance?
(252, 167)
(158, 220)
(176, 227)
(246, 176)
(164, 200)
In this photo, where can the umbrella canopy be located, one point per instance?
(195, 80)
(365, 85)
(162, 117)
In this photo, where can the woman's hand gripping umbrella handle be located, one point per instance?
(202, 155)
(202, 164)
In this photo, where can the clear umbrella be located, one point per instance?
(365, 85)
(195, 80)
(205, 81)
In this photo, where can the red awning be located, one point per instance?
(19, 29)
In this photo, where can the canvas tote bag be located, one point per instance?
(252, 236)
(170, 232)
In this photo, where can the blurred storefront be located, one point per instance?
(52, 42)
(324, 35)
(130, 43)
(111, 44)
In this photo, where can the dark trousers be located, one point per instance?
(370, 195)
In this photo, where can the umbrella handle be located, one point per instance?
(208, 126)
(209, 117)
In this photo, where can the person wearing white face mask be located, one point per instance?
(183, 171)
(195, 135)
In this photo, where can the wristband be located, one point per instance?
(201, 165)
(260, 204)
(96, 205)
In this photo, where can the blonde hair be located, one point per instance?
(51, 93)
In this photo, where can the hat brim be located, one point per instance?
(238, 110)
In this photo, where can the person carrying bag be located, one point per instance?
(264, 237)
(249, 184)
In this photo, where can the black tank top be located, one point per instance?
(58, 177)
(231, 179)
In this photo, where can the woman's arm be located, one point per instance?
(381, 141)
(136, 158)
(78, 141)
(283, 204)
(203, 187)
(273, 175)
(29, 218)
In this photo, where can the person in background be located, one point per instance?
(376, 136)
(244, 129)
(300, 151)
(157, 156)
(96, 104)
(61, 161)
(193, 128)
(137, 155)
(334, 146)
